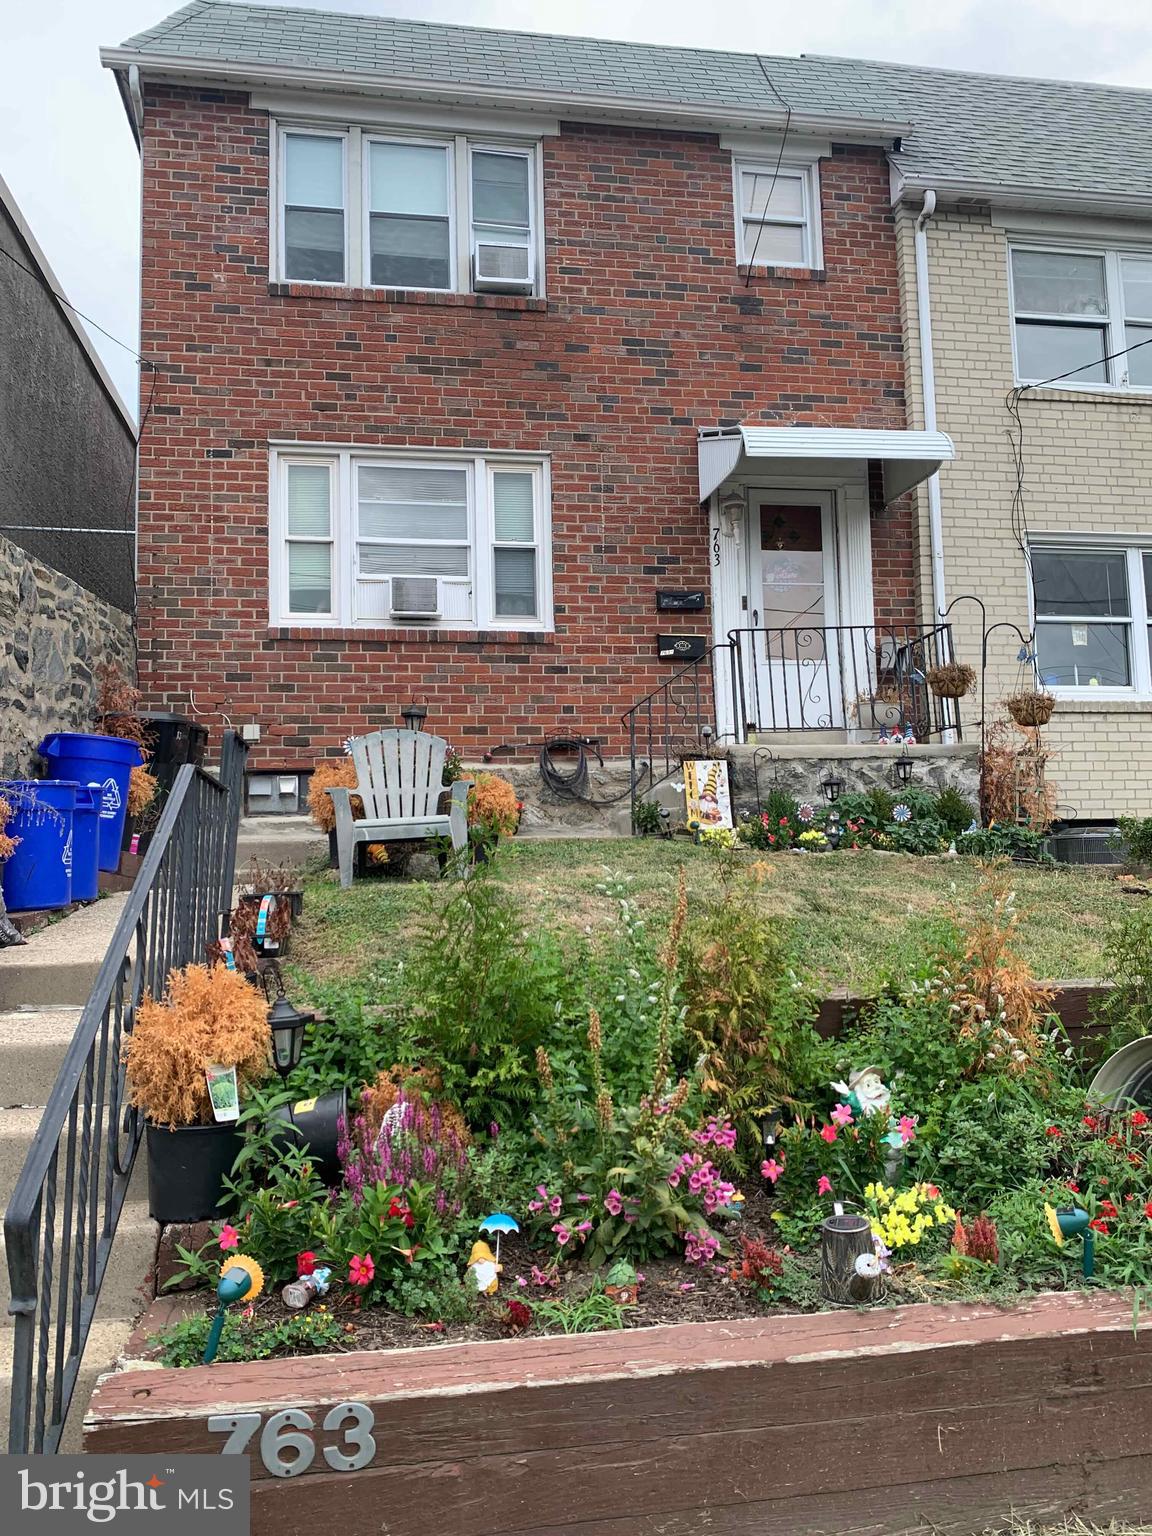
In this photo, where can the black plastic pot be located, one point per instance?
(314, 1124)
(187, 1168)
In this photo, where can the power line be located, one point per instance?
(775, 173)
(38, 277)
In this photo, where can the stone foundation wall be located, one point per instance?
(798, 770)
(53, 636)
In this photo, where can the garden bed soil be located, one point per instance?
(886, 1422)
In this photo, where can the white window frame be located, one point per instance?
(279, 582)
(357, 237)
(479, 146)
(1139, 617)
(344, 460)
(280, 223)
(809, 174)
(1113, 323)
(536, 545)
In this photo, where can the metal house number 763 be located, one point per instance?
(287, 1447)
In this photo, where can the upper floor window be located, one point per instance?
(373, 210)
(362, 538)
(1092, 618)
(777, 214)
(1075, 310)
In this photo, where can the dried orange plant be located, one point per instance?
(7, 844)
(492, 804)
(1014, 777)
(207, 1017)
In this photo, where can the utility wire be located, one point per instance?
(775, 172)
(88, 320)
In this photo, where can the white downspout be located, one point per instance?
(928, 386)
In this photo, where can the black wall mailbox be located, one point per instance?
(680, 602)
(681, 647)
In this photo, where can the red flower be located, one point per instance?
(1148, 1209)
(1053, 1130)
(1139, 1120)
(828, 1133)
(771, 837)
(397, 1208)
(305, 1264)
(1075, 1188)
(517, 1316)
(1108, 1209)
(361, 1270)
(1091, 1122)
(783, 821)
(1099, 1226)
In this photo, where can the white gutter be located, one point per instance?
(566, 103)
(928, 388)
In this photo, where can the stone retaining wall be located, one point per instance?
(53, 636)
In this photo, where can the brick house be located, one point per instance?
(472, 343)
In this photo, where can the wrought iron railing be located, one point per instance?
(676, 720)
(861, 679)
(61, 1221)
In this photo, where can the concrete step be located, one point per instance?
(57, 966)
(290, 840)
(107, 1340)
(33, 1042)
(129, 1266)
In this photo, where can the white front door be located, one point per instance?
(797, 673)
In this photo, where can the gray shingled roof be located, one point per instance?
(987, 129)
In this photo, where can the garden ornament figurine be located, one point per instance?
(1069, 1221)
(297, 1294)
(866, 1092)
(499, 1223)
(242, 1279)
(483, 1268)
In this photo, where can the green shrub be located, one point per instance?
(1134, 835)
(1126, 1009)
(646, 818)
(954, 810)
(1002, 841)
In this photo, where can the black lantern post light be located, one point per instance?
(287, 1025)
(831, 787)
(414, 716)
(902, 768)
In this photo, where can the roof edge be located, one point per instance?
(1030, 198)
(844, 127)
(55, 289)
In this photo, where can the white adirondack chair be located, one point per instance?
(399, 779)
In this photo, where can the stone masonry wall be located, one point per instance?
(53, 636)
(649, 331)
(1088, 469)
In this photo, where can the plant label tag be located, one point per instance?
(229, 957)
(267, 907)
(223, 1092)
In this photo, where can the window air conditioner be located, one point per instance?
(502, 267)
(415, 597)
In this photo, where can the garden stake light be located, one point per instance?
(243, 1278)
(287, 1026)
(1069, 1221)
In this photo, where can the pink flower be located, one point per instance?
(613, 1203)
(543, 1277)
(771, 1169)
(229, 1237)
(906, 1125)
(825, 1185)
(828, 1133)
(555, 1205)
(535, 1205)
(361, 1270)
(842, 1115)
(582, 1227)
(700, 1247)
(562, 1233)
(521, 1282)
(583, 1199)
(542, 1191)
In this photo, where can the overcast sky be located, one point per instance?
(68, 156)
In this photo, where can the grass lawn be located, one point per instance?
(855, 914)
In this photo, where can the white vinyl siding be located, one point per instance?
(375, 209)
(777, 214)
(1076, 312)
(348, 524)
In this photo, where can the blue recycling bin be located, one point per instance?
(38, 875)
(104, 760)
(86, 843)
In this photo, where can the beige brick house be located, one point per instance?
(1036, 246)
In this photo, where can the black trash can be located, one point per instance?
(173, 741)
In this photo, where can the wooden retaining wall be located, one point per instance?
(877, 1423)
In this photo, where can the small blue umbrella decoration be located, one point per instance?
(499, 1223)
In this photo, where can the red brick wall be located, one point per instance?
(648, 332)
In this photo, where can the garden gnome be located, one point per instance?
(866, 1091)
(483, 1268)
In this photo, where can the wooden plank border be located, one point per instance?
(881, 1423)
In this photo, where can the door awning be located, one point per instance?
(907, 458)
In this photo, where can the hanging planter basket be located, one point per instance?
(1030, 709)
(951, 680)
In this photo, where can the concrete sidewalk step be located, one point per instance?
(57, 966)
(129, 1266)
(33, 1042)
(293, 840)
(107, 1340)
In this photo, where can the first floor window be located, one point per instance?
(1092, 617)
(364, 538)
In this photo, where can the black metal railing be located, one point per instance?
(859, 678)
(61, 1221)
(676, 720)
